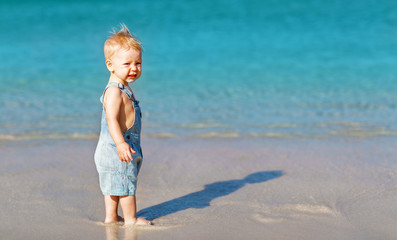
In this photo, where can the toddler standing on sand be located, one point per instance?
(118, 156)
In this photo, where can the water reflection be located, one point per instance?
(113, 232)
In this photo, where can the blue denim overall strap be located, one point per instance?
(122, 88)
(135, 129)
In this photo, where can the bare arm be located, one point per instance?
(113, 101)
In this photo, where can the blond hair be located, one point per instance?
(122, 39)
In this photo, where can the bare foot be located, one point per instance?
(139, 221)
(110, 221)
(142, 221)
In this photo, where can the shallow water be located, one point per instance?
(267, 69)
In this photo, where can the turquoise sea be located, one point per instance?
(212, 68)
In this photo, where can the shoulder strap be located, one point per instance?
(126, 91)
(121, 87)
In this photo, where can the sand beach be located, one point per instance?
(207, 189)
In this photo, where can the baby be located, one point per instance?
(118, 156)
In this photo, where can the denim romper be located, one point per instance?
(118, 178)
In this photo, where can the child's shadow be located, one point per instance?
(202, 199)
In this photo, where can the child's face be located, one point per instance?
(126, 65)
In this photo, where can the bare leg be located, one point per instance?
(128, 204)
(111, 204)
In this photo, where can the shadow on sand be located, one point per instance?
(202, 199)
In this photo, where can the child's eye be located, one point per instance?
(126, 64)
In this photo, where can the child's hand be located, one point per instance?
(124, 150)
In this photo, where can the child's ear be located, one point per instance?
(109, 65)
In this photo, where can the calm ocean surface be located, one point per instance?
(212, 68)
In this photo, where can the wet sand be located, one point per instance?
(207, 189)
